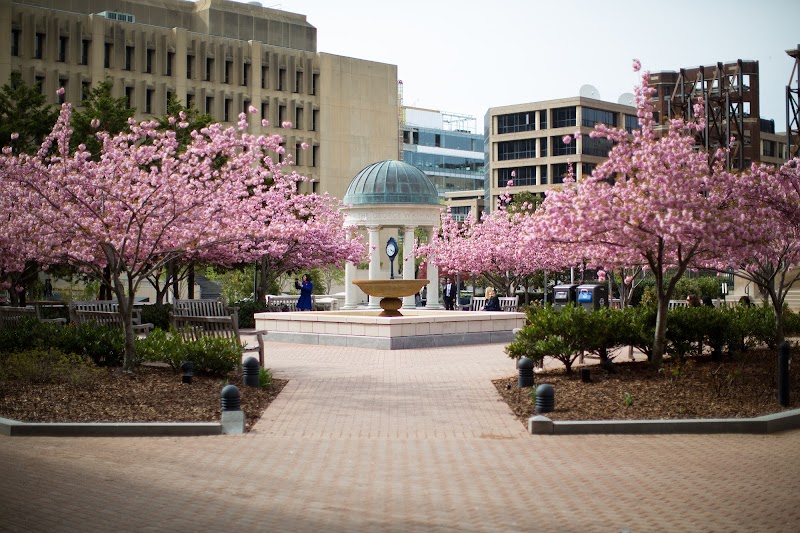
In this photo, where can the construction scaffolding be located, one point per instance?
(730, 93)
(793, 107)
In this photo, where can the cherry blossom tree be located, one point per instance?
(769, 254)
(655, 201)
(143, 202)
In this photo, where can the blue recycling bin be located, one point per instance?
(592, 296)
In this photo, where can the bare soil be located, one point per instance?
(151, 394)
(744, 385)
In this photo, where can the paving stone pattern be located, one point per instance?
(414, 440)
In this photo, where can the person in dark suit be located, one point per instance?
(450, 293)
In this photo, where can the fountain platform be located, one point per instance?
(417, 328)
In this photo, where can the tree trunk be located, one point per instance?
(778, 308)
(105, 284)
(660, 341)
(126, 310)
(190, 282)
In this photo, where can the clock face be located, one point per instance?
(391, 249)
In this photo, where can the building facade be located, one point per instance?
(527, 140)
(221, 57)
(445, 146)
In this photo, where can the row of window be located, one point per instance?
(209, 73)
(443, 139)
(527, 176)
(526, 148)
(444, 163)
(563, 117)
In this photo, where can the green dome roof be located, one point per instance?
(391, 182)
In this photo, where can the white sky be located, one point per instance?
(465, 56)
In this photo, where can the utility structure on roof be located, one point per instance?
(793, 106)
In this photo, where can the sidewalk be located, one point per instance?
(411, 440)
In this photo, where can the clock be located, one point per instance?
(391, 248)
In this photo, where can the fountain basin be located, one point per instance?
(390, 290)
(417, 328)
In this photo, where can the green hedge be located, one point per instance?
(215, 356)
(105, 345)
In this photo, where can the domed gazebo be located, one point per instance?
(391, 194)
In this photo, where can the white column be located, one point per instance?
(409, 302)
(374, 261)
(350, 290)
(433, 286)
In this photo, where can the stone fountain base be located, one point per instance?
(417, 328)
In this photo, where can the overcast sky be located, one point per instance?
(465, 56)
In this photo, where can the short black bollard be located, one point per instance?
(525, 366)
(188, 371)
(586, 375)
(784, 359)
(545, 398)
(250, 370)
(231, 398)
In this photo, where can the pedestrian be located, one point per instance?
(693, 301)
(305, 287)
(492, 301)
(450, 293)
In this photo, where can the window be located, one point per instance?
(148, 101)
(282, 153)
(282, 79)
(315, 120)
(39, 82)
(298, 81)
(265, 110)
(543, 147)
(170, 61)
(298, 117)
(437, 140)
(414, 137)
(560, 148)
(543, 175)
(560, 171)
(590, 117)
(525, 176)
(63, 97)
(543, 119)
(108, 48)
(129, 58)
(631, 123)
(228, 68)
(281, 115)
(522, 149)
(38, 46)
(769, 148)
(246, 74)
(564, 117)
(14, 42)
(85, 44)
(210, 105)
(264, 73)
(189, 66)
(129, 96)
(227, 111)
(314, 83)
(598, 147)
(246, 106)
(460, 212)
(314, 156)
(148, 66)
(516, 122)
(189, 100)
(587, 169)
(62, 48)
(85, 88)
(167, 99)
(298, 150)
(209, 68)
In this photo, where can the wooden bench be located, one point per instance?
(289, 302)
(107, 318)
(476, 303)
(12, 316)
(509, 304)
(106, 306)
(677, 303)
(226, 327)
(203, 307)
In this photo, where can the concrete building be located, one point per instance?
(220, 56)
(445, 146)
(526, 139)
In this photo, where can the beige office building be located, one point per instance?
(220, 56)
(527, 139)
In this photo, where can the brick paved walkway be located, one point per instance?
(414, 440)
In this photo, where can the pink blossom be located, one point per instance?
(304, 146)
(513, 173)
(60, 91)
(95, 123)
(628, 280)
(14, 136)
(567, 139)
(286, 124)
(637, 65)
(252, 109)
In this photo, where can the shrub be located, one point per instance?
(264, 377)
(216, 356)
(156, 314)
(551, 332)
(247, 308)
(49, 366)
(29, 333)
(105, 345)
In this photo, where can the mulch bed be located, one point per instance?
(150, 394)
(742, 386)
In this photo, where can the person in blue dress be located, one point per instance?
(305, 287)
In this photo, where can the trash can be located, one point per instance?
(564, 295)
(592, 296)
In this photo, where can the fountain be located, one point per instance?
(390, 291)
